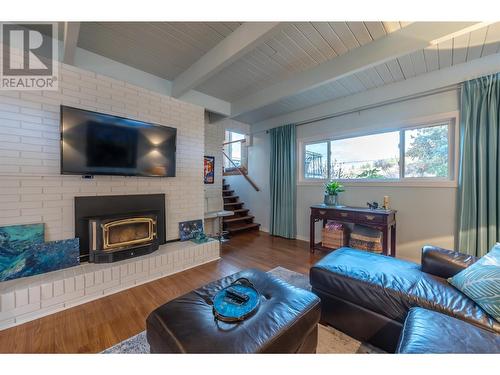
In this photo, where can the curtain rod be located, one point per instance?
(378, 105)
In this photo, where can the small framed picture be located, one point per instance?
(209, 169)
(189, 229)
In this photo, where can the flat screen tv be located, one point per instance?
(95, 143)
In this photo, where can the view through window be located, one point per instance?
(424, 152)
(233, 149)
(316, 160)
(372, 157)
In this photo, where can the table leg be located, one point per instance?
(393, 240)
(221, 227)
(311, 234)
(221, 231)
(384, 241)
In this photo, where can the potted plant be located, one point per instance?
(332, 190)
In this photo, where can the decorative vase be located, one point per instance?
(331, 200)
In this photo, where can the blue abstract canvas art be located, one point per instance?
(53, 256)
(23, 252)
(16, 242)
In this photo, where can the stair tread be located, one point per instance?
(243, 227)
(233, 204)
(232, 219)
(242, 219)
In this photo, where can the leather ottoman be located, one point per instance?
(430, 332)
(286, 321)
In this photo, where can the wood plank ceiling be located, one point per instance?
(464, 48)
(166, 49)
(298, 47)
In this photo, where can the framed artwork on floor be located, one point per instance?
(209, 169)
(17, 244)
(24, 252)
(189, 229)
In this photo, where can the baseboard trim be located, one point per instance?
(302, 238)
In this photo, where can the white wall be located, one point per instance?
(258, 162)
(214, 137)
(258, 171)
(426, 215)
(31, 187)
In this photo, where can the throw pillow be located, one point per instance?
(481, 282)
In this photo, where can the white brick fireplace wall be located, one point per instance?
(31, 188)
(33, 191)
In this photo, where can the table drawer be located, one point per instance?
(371, 218)
(321, 214)
(343, 215)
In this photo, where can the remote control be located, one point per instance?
(237, 296)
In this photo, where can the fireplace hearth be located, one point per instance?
(118, 227)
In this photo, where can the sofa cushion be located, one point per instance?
(444, 263)
(391, 286)
(481, 282)
(427, 331)
(285, 322)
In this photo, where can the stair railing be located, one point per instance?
(238, 168)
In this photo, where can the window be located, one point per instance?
(316, 160)
(410, 153)
(233, 149)
(426, 152)
(368, 157)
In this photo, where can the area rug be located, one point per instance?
(330, 341)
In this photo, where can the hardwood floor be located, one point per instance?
(97, 325)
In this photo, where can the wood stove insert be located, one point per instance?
(116, 238)
(118, 227)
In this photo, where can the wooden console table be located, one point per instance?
(382, 220)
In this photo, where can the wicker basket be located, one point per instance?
(370, 246)
(334, 239)
(365, 238)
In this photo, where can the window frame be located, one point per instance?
(450, 119)
(230, 149)
(302, 158)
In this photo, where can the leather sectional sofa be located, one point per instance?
(427, 331)
(378, 299)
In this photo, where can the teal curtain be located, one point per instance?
(283, 181)
(479, 188)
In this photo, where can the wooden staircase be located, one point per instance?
(242, 220)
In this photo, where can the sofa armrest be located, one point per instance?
(444, 263)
